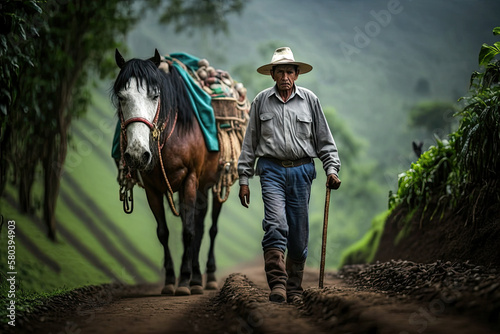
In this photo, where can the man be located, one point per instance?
(286, 130)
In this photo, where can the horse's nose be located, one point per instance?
(128, 159)
(140, 162)
(146, 158)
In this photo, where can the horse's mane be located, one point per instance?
(173, 94)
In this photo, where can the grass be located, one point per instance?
(25, 301)
(73, 269)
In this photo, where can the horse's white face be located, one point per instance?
(135, 102)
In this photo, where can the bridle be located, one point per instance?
(156, 129)
(156, 132)
(152, 126)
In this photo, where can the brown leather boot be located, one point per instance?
(295, 271)
(276, 274)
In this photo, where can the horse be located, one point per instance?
(163, 141)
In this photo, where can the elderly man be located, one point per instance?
(287, 129)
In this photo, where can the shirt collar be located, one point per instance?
(297, 91)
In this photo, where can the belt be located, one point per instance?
(290, 163)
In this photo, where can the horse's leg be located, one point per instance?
(155, 200)
(200, 213)
(211, 267)
(187, 196)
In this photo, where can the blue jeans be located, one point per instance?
(286, 193)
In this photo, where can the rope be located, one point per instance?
(230, 132)
(170, 193)
(125, 176)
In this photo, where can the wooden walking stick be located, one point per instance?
(323, 244)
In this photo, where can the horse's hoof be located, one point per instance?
(182, 291)
(196, 290)
(212, 285)
(168, 290)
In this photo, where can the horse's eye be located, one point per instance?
(156, 96)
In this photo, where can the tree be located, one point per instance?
(16, 53)
(49, 50)
(47, 86)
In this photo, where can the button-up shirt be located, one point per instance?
(288, 130)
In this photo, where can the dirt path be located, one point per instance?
(241, 306)
(147, 313)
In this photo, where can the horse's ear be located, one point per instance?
(156, 59)
(119, 59)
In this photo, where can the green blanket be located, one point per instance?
(200, 101)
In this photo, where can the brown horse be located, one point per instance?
(163, 141)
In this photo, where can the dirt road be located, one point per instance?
(346, 305)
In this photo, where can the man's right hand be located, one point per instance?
(333, 182)
(244, 195)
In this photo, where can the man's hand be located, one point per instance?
(244, 195)
(333, 181)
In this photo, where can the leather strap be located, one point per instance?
(290, 163)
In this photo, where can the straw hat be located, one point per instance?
(283, 56)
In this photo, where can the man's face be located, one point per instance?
(285, 76)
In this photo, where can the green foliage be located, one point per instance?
(15, 19)
(17, 57)
(478, 139)
(433, 174)
(488, 52)
(26, 301)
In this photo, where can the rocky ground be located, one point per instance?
(387, 297)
